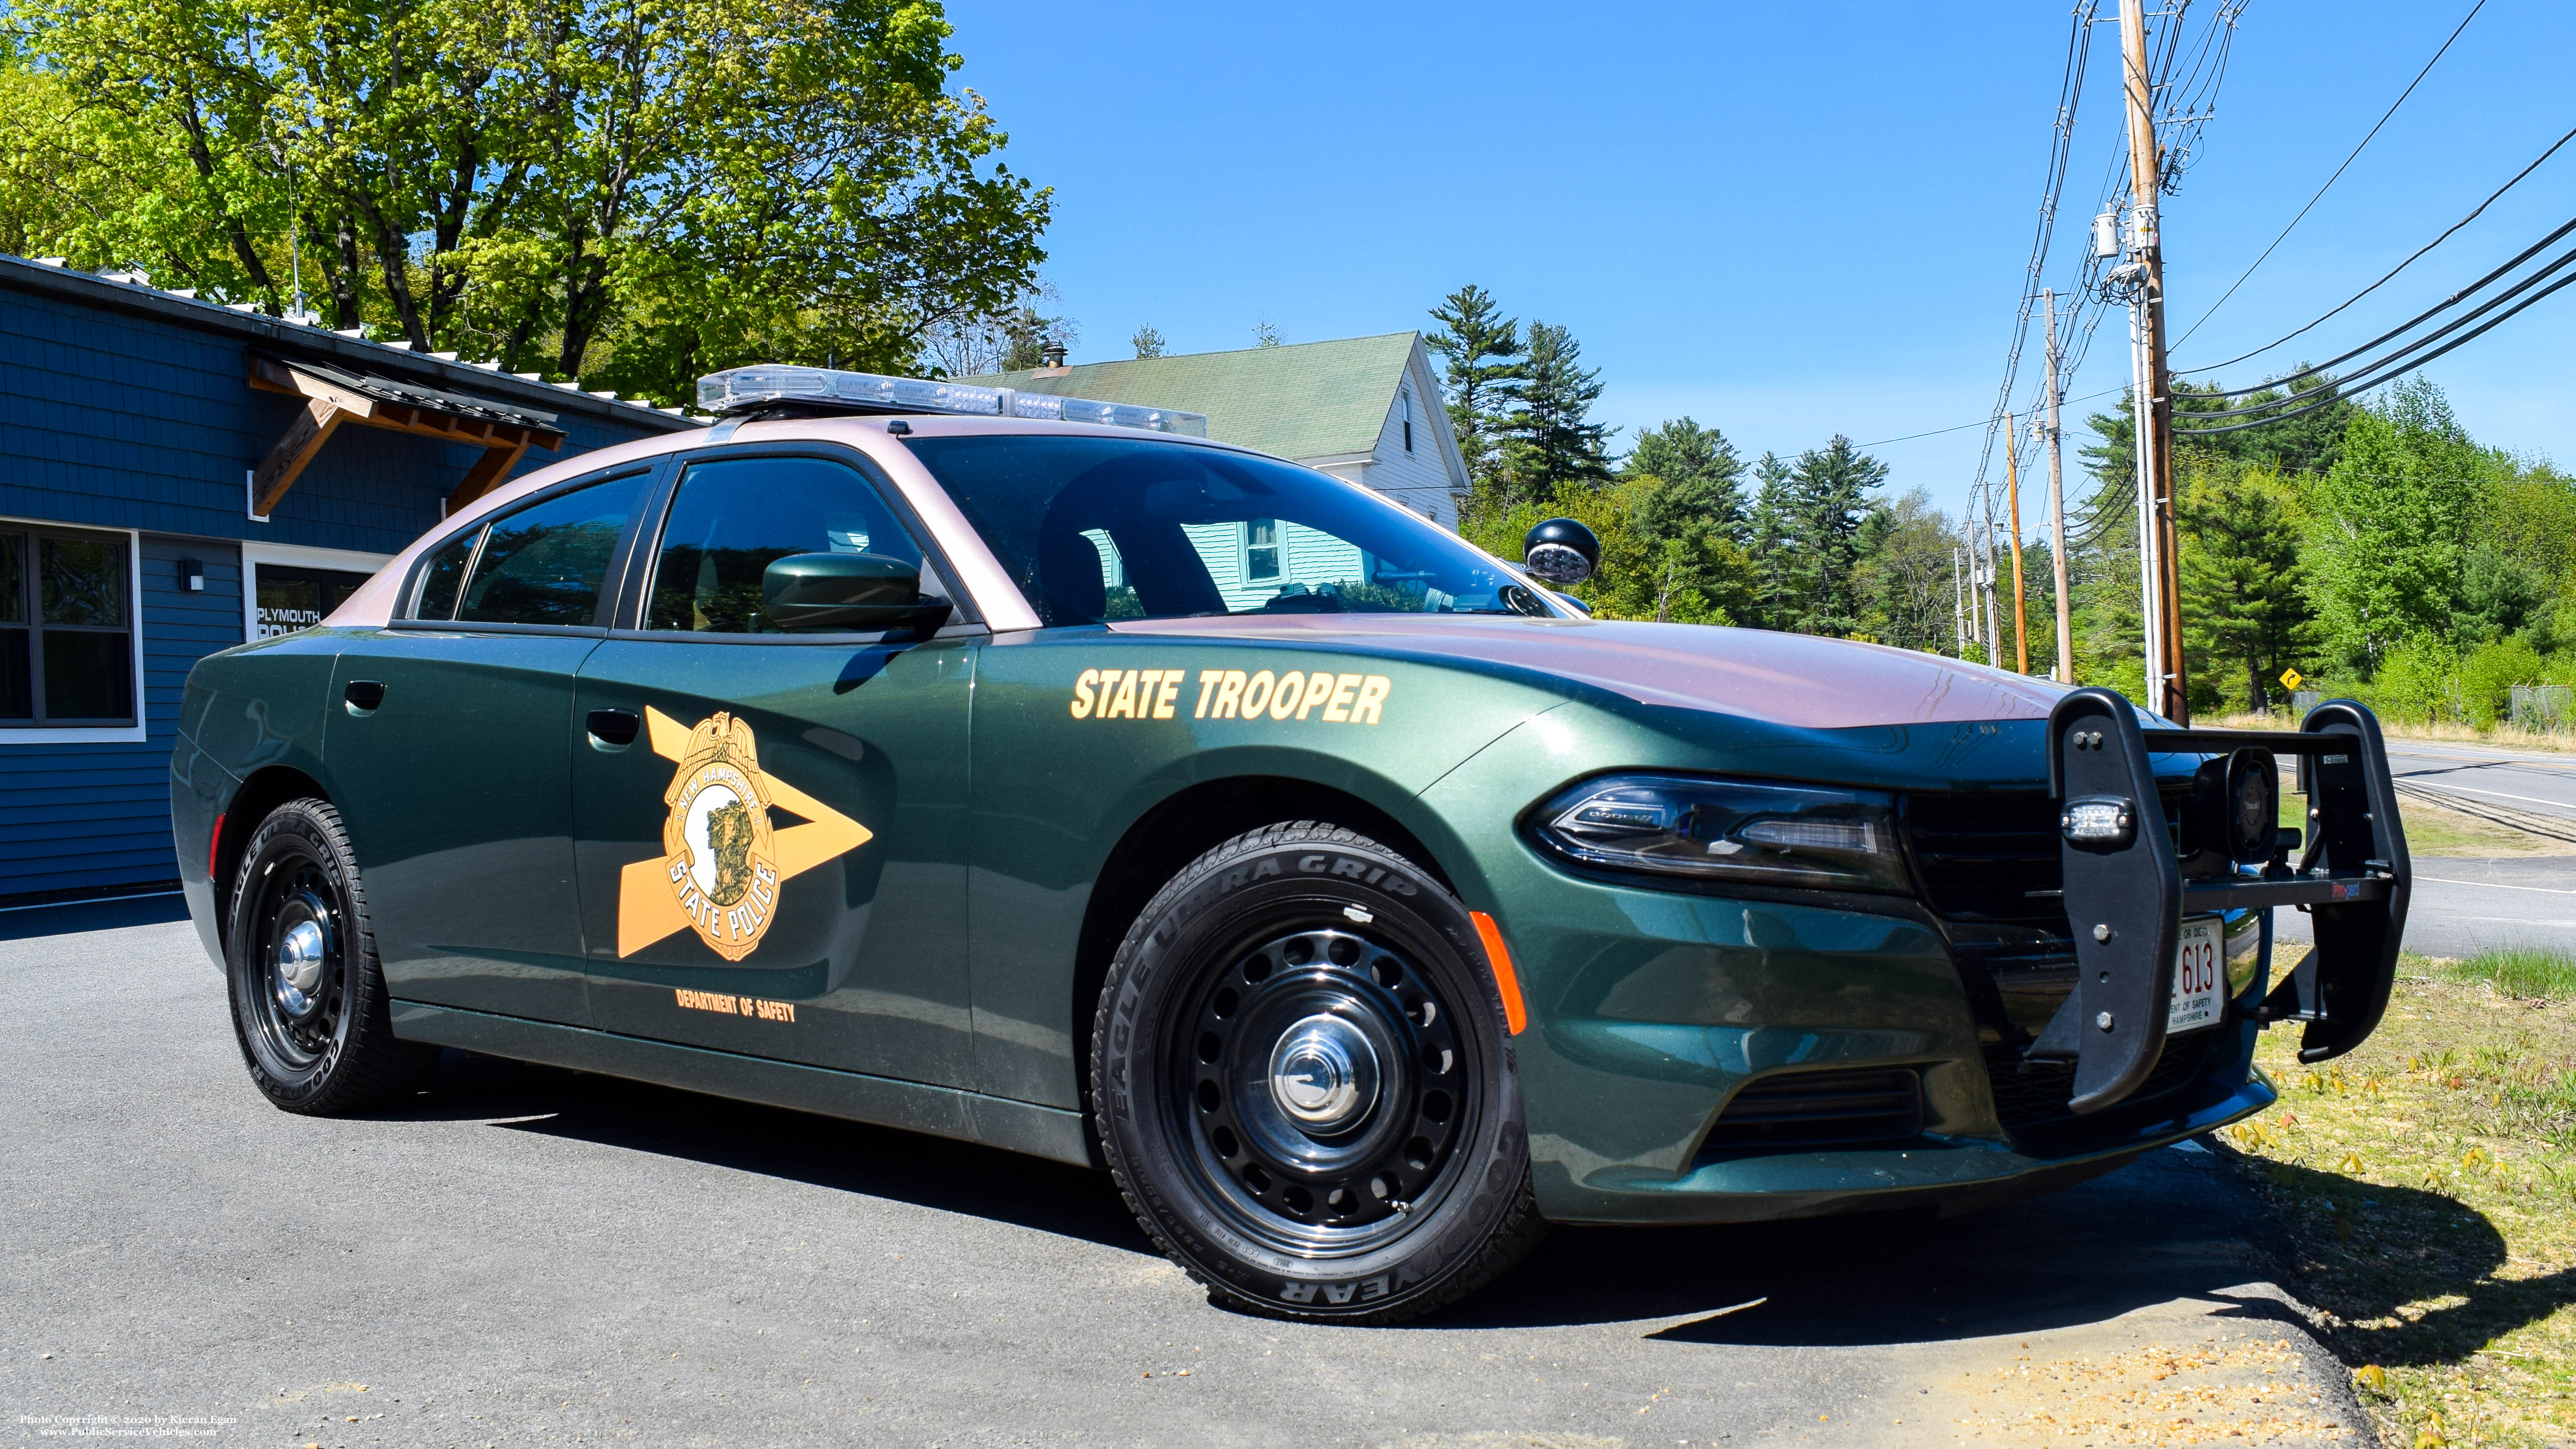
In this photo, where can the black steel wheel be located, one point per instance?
(309, 1003)
(1304, 1084)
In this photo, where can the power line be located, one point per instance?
(2338, 171)
(2427, 314)
(2400, 365)
(2401, 266)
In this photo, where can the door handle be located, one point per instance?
(365, 696)
(613, 729)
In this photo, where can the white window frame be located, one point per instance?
(295, 556)
(94, 734)
(1278, 546)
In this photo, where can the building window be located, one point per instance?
(1405, 395)
(66, 629)
(1260, 549)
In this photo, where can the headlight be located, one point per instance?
(1761, 834)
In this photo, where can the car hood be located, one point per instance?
(1798, 680)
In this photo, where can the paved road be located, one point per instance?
(530, 1255)
(2464, 906)
(2533, 780)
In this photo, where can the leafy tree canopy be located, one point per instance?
(627, 194)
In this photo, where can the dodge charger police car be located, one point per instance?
(1041, 773)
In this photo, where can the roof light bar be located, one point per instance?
(742, 388)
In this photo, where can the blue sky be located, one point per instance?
(1785, 221)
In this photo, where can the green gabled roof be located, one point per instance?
(1297, 400)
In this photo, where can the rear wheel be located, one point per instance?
(1304, 1085)
(309, 1002)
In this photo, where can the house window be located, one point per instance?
(1260, 549)
(66, 629)
(1405, 395)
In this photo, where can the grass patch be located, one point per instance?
(2426, 1185)
(2531, 972)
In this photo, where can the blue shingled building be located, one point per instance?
(177, 477)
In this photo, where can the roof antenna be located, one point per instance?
(294, 253)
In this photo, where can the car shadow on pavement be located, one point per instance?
(2172, 1225)
(826, 1152)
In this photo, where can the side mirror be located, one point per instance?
(847, 591)
(1561, 551)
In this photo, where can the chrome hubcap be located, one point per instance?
(1324, 1074)
(299, 967)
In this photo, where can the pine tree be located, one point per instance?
(2243, 589)
(1149, 342)
(1482, 349)
(1703, 489)
(1554, 442)
(1829, 497)
(1773, 530)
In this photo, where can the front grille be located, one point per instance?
(1990, 866)
(1821, 1109)
(1981, 856)
(2032, 1094)
(1986, 856)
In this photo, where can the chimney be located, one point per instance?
(1054, 353)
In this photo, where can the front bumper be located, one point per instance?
(1651, 1009)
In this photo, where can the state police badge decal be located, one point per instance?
(717, 846)
(723, 864)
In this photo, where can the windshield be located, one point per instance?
(1096, 529)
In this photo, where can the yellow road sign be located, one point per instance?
(2290, 679)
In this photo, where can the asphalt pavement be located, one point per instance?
(527, 1255)
(2534, 780)
(2464, 905)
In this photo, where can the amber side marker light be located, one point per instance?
(1499, 956)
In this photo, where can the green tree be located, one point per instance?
(1902, 574)
(1772, 527)
(1483, 368)
(1553, 441)
(626, 194)
(1147, 342)
(2390, 525)
(2244, 591)
(2306, 444)
(1829, 498)
(1703, 488)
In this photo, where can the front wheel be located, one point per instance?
(309, 1002)
(1304, 1085)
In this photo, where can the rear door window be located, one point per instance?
(547, 563)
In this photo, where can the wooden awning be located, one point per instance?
(333, 395)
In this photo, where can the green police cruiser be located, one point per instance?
(1037, 772)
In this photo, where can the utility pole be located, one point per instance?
(2012, 493)
(1958, 603)
(2057, 511)
(1994, 614)
(2154, 402)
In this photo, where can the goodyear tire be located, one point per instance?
(309, 1002)
(1304, 1085)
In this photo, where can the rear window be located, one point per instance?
(1098, 529)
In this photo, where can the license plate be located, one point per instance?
(2200, 976)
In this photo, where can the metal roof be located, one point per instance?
(476, 384)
